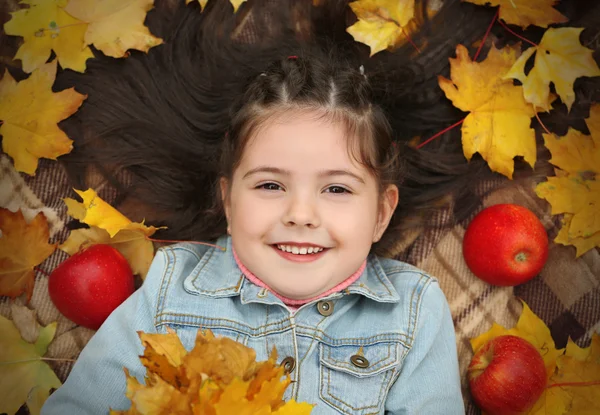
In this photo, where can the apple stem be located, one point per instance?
(591, 383)
(189, 242)
(521, 257)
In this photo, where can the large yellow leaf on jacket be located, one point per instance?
(559, 58)
(219, 376)
(526, 12)
(46, 27)
(115, 25)
(30, 112)
(498, 124)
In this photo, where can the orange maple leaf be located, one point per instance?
(22, 247)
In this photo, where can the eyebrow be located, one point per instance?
(322, 173)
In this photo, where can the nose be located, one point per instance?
(302, 211)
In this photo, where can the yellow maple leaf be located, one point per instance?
(577, 379)
(582, 245)
(30, 112)
(96, 212)
(46, 27)
(575, 190)
(109, 226)
(559, 58)
(26, 379)
(576, 153)
(498, 125)
(219, 376)
(163, 356)
(531, 328)
(221, 358)
(380, 22)
(526, 12)
(114, 26)
(577, 196)
(23, 246)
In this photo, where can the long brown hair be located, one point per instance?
(162, 127)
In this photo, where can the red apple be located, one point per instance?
(507, 376)
(90, 284)
(505, 245)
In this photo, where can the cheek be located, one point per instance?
(249, 213)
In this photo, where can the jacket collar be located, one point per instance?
(217, 275)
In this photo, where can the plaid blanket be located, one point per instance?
(566, 294)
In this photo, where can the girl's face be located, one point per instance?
(296, 188)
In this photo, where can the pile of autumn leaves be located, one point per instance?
(219, 376)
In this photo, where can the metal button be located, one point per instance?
(325, 308)
(359, 361)
(289, 364)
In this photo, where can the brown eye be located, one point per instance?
(269, 186)
(338, 190)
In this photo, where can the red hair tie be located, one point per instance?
(292, 57)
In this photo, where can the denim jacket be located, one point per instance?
(384, 345)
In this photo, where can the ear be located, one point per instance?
(225, 200)
(387, 206)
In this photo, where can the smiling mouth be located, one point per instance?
(299, 250)
(299, 254)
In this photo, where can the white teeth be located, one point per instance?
(299, 251)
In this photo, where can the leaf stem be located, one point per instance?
(517, 35)
(440, 133)
(189, 242)
(591, 383)
(540, 121)
(487, 33)
(410, 40)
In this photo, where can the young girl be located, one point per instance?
(300, 180)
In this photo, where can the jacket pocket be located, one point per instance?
(355, 379)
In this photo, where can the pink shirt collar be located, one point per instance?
(290, 301)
